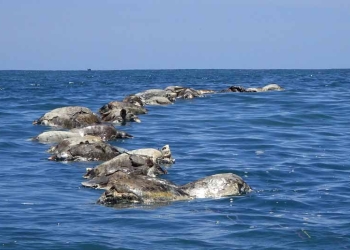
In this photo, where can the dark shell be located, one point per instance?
(128, 163)
(129, 107)
(133, 99)
(106, 132)
(119, 116)
(235, 89)
(97, 151)
(188, 93)
(129, 188)
(63, 144)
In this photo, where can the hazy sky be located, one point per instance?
(174, 34)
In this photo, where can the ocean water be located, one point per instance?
(292, 147)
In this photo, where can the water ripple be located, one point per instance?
(290, 146)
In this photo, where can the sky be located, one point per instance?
(174, 34)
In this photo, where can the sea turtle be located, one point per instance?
(129, 107)
(126, 162)
(76, 139)
(105, 131)
(124, 188)
(162, 156)
(69, 117)
(120, 116)
(85, 151)
(54, 136)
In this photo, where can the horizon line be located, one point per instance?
(141, 69)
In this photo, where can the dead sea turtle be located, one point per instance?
(68, 117)
(85, 151)
(162, 156)
(120, 116)
(77, 139)
(126, 162)
(129, 107)
(54, 136)
(105, 131)
(128, 188)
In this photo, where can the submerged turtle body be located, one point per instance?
(54, 136)
(85, 151)
(269, 87)
(120, 116)
(156, 97)
(129, 188)
(68, 117)
(135, 100)
(175, 90)
(106, 132)
(205, 91)
(129, 163)
(129, 107)
(159, 100)
(124, 188)
(151, 93)
(73, 141)
(272, 87)
(187, 93)
(235, 89)
(216, 186)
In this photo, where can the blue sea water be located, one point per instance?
(291, 147)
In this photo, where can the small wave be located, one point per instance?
(290, 147)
